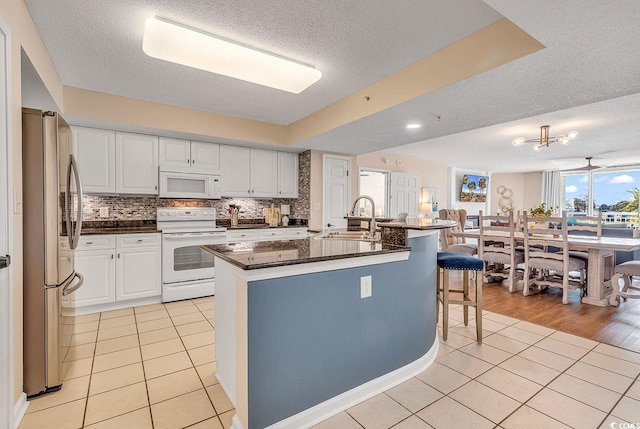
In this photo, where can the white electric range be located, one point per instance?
(187, 270)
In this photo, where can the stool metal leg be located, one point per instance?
(479, 307)
(445, 303)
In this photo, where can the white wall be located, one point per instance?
(526, 189)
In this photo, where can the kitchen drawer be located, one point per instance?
(296, 232)
(138, 240)
(271, 234)
(95, 242)
(288, 255)
(233, 236)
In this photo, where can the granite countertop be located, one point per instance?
(259, 226)
(419, 224)
(267, 254)
(92, 227)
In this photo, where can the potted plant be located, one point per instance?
(541, 210)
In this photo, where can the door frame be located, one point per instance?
(324, 183)
(6, 296)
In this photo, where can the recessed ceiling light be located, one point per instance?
(412, 126)
(179, 44)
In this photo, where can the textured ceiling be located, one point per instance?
(591, 55)
(97, 45)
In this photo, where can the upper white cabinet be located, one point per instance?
(248, 172)
(189, 154)
(405, 193)
(96, 151)
(287, 175)
(136, 164)
(235, 171)
(112, 162)
(264, 173)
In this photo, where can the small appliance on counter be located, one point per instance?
(187, 270)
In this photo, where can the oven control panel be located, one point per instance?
(168, 214)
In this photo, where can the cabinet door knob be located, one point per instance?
(193, 161)
(140, 241)
(155, 187)
(118, 256)
(112, 256)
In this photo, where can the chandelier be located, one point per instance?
(545, 140)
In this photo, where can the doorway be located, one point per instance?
(336, 190)
(374, 183)
(6, 294)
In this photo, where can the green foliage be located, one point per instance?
(541, 210)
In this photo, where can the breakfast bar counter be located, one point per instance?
(307, 328)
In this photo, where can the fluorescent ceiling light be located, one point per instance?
(412, 126)
(182, 45)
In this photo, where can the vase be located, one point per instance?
(234, 219)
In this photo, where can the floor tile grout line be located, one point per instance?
(144, 372)
(215, 411)
(624, 395)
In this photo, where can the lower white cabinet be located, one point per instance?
(118, 268)
(98, 269)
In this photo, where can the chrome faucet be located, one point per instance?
(372, 224)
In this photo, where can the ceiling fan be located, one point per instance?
(587, 167)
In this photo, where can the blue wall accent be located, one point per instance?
(311, 337)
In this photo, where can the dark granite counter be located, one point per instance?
(118, 227)
(258, 226)
(267, 254)
(423, 224)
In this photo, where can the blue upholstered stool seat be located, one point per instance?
(460, 261)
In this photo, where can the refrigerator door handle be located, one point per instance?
(69, 289)
(74, 235)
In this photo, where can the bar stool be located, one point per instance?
(448, 261)
(625, 270)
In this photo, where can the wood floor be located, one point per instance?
(618, 326)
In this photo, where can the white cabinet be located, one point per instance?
(136, 164)
(138, 266)
(235, 169)
(95, 260)
(194, 155)
(96, 152)
(266, 234)
(118, 268)
(248, 172)
(264, 173)
(111, 162)
(405, 192)
(287, 175)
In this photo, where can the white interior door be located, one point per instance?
(6, 296)
(336, 191)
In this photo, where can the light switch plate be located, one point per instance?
(365, 287)
(104, 211)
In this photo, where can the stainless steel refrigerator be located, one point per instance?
(51, 191)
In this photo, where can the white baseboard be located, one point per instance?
(20, 409)
(346, 400)
(118, 305)
(226, 391)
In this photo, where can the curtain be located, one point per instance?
(552, 190)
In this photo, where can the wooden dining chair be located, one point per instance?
(497, 248)
(546, 256)
(587, 225)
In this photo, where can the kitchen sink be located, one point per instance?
(348, 235)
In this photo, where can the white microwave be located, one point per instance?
(174, 184)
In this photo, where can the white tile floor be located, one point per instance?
(154, 366)
(522, 376)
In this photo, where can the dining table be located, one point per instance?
(600, 263)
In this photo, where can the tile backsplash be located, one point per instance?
(144, 208)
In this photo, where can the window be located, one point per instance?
(374, 183)
(613, 191)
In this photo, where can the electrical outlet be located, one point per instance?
(316, 206)
(365, 287)
(104, 211)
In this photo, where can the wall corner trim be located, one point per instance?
(20, 409)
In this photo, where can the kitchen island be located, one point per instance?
(295, 341)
